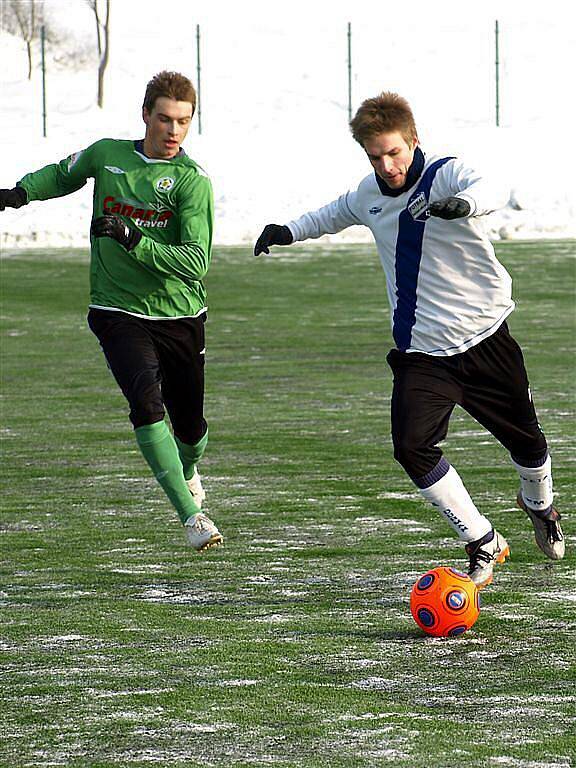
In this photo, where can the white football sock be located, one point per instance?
(453, 502)
(536, 485)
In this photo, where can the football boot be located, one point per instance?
(547, 529)
(201, 533)
(484, 553)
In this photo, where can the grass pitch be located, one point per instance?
(293, 644)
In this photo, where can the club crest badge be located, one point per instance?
(165, 184)
(418, 207)
(73, 159)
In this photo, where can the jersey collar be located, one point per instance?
(139, 148)
(412, 176)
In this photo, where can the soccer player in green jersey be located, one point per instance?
(151, 238)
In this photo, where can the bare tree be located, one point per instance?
(102, 41)
(24, 18)
(93, 5)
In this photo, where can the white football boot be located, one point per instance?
(201, 533)
(547, 530)
(484, 554)
(195, 488)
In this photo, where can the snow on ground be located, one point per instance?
(275, 138)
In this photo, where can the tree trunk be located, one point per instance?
(29, 52)
(98, 38)
(104, 57)
(31, 37)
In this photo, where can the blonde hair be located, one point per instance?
(385, 113)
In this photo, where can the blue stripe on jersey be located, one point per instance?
(408, 257)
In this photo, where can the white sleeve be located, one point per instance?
(484, 196)
(328, 220)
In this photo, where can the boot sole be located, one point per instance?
(215, 541)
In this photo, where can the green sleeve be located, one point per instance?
(189, 259)
(61, 178)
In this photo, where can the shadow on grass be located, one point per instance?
(390, 635)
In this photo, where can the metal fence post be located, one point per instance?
(349, 71)
(497, 44)
(42, 41)
(198, 70)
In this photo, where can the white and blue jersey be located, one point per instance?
(446, 288)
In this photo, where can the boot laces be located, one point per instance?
(478, 556)
(201, 523)
(553, 531)
(551, 521)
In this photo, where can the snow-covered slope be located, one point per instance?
(275, 139)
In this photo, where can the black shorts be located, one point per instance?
(489, 381)
(158, 364)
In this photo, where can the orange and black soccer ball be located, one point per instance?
(444, 602)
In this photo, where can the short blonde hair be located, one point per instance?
(385, 113)
(173, 85)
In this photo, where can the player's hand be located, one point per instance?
(111, 226)
(13, 198)
(272, 234)
(450, 208)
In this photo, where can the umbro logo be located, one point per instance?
(375, 209)
(114, 169)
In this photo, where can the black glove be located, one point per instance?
(272, 234)
(450, 208)
(13, 198)
(111, 226)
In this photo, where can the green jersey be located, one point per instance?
(169, 201)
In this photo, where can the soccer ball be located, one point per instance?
(444, 602)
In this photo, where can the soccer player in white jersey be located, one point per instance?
(450, 298)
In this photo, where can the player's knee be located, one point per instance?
(413, 456)
(527, 440)
(145, 399)
(191, 433)
(146, 413)
(405, 453)
(527, 453)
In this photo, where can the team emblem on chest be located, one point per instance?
(165, 184)
(418, 207)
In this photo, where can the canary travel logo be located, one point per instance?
(165, 184)
(140, 213)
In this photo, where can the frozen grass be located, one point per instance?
(293, 644)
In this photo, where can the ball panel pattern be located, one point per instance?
(444, 602)
(426, 581)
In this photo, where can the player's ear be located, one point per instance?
(145, 115)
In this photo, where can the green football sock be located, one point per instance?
(190, 455)
(159, 449)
